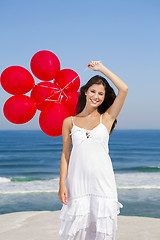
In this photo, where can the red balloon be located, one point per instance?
(19, 109)
(70, 101)
(17, 80)
(45, 90)
(64, 79)
(51, 118)
(45, 65)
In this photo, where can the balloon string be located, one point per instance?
(56, 91)
(61, 90)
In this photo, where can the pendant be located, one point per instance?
(87, 134)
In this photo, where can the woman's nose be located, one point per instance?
(96, 96)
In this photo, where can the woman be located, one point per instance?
(87, 186)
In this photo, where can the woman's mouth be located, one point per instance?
(93, 101)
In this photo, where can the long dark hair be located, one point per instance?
(108, 100)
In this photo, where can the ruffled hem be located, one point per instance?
(89, 209)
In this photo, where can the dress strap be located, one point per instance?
(73, 124)
(101, 118)
(72, 120)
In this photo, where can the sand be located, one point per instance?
(44, 225)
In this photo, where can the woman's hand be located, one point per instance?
(62, 194)
(95, 65)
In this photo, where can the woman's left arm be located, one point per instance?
(116, 107)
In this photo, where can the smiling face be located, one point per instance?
(95, 95)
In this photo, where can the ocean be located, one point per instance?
(30, 168)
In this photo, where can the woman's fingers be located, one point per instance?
(63, 197)
(95, 65)
(92, 63)
(65, 201)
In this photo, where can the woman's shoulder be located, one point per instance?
(67, 120)
(67, 124)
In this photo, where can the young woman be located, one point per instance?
(87, 186)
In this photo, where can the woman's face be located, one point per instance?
(95, 95)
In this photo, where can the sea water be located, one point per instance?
(30, 168)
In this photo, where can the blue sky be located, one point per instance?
(125, 35)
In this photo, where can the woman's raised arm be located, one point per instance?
(116, 107)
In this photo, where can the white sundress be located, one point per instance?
(93, 206)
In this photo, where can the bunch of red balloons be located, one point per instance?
(56, 100)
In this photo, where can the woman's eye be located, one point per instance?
(94, 91)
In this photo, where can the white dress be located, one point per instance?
(92, 209)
